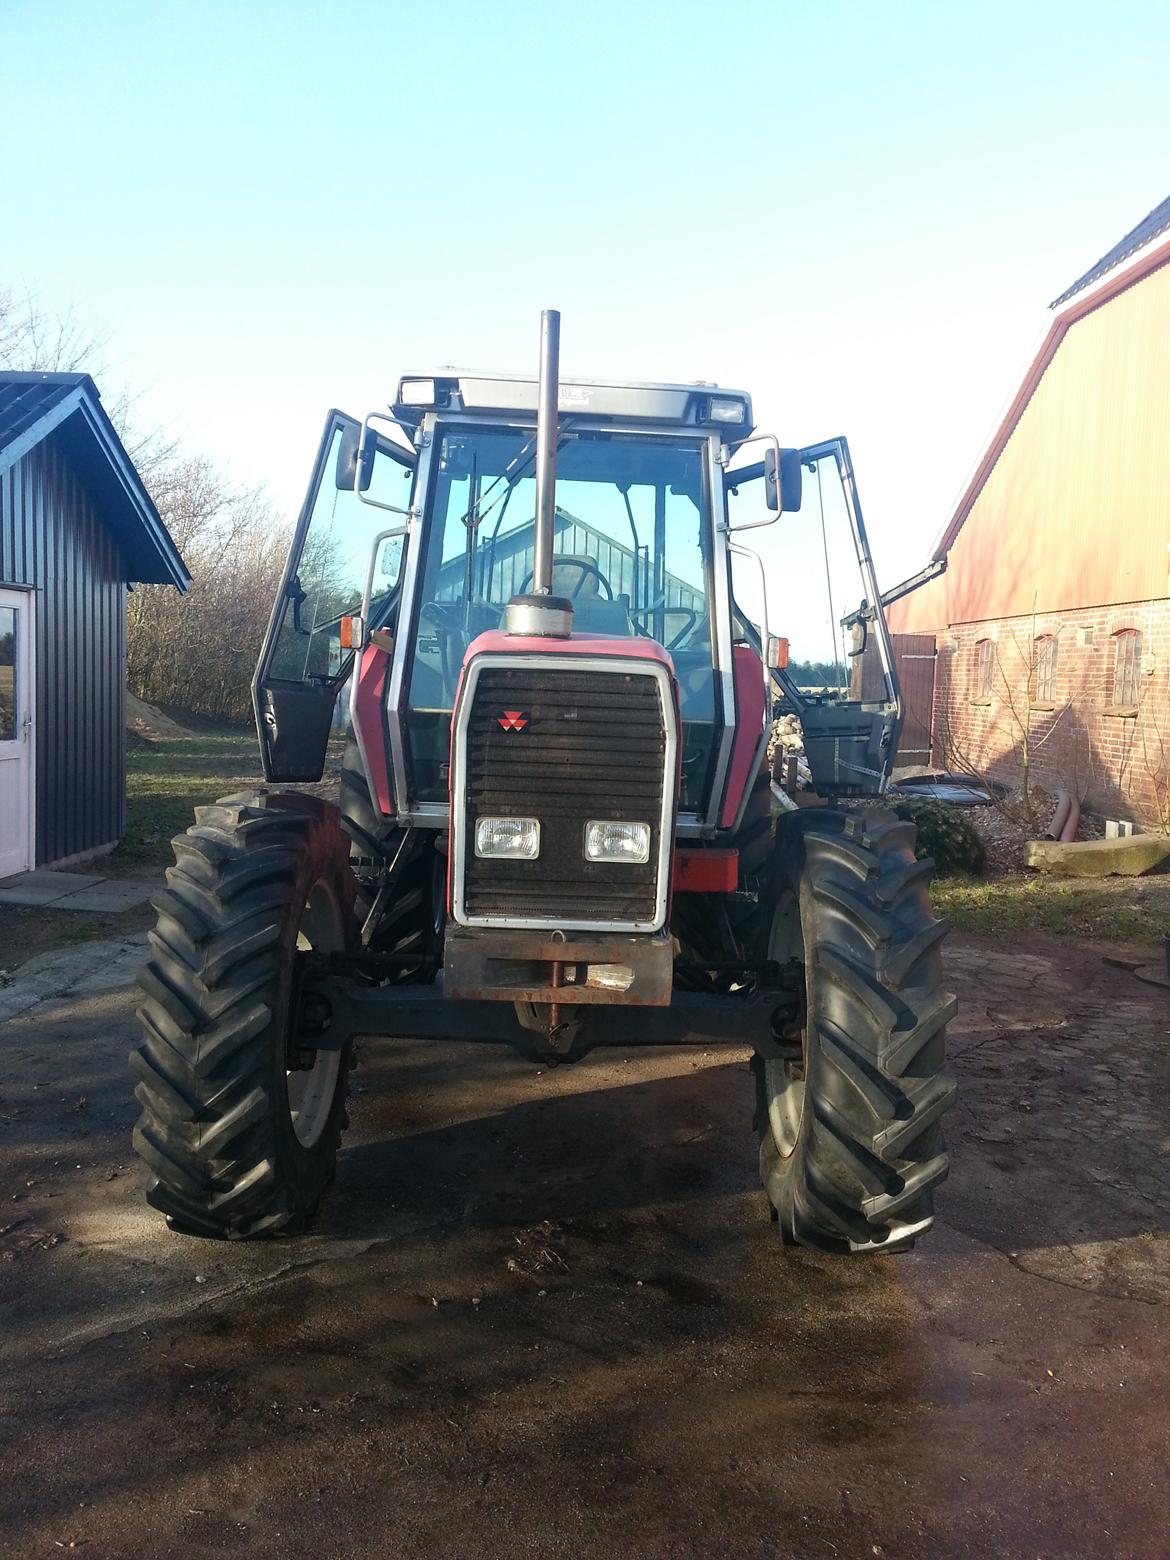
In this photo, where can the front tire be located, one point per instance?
(238, 1140)
(851, 1145)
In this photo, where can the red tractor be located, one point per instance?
(557, 823)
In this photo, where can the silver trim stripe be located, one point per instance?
(603, 664)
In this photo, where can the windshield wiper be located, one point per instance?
(511, 474)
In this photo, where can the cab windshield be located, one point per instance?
(631, 550)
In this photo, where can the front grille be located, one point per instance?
(593, 746)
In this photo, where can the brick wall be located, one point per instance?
(1085, 742)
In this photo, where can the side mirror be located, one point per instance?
(355, 462)
(782, 492)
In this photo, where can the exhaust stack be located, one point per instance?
(546, 449)
(539, 612)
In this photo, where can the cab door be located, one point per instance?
(850, 724)
(850, 731)
(358, 476)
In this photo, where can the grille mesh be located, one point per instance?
(594, 746)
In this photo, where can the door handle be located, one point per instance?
(25, 727)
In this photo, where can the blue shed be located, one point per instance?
(77, 527)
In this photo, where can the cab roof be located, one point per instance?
(699, 405)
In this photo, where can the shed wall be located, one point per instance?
(51, 538)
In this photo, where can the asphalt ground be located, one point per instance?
(543, 1311)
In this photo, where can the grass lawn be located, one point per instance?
(1124, 910)
(167, 777)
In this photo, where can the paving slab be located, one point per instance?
(88, 970)
(109, 895)
(43, 887)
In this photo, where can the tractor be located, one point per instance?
(557, 823)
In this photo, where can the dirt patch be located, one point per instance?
(1006, 829)
(27, 931)
(656, 1376)
(147, 720)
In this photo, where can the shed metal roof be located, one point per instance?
(1153, 223)
(33, 406)
(26, 398)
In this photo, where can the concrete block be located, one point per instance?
(1127, 856)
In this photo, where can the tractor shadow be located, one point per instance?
(571, 1149)
(1054, 1142)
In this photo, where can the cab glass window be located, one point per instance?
(631, 549)
(331, 572)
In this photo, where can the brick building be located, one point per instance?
(1051, 620)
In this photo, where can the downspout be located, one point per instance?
(1060, 816)
(1069, 832)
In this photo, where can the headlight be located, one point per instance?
(514, 838)
(607, 840)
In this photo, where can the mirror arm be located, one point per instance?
(368, 592)
(729, 481)
(367, 434)
(766, 635)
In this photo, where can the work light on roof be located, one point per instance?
(417, 392)
(726, 409)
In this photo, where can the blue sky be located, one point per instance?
(856, 211)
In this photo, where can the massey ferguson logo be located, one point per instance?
(512, 720)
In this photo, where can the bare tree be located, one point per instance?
(32, 340)
(197, 651)
(1154, 740)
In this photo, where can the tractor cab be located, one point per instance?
(421, 525)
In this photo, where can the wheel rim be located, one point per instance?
(783, 1079)
(311, 1091)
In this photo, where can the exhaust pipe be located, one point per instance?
(546, 449)
(539, 612)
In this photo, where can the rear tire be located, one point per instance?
(851, 1146)
(236, 1144)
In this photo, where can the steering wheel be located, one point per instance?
(673, 644)
(451, 635)
(585, 565)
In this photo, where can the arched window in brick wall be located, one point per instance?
(984, 668)
(1125, 687)
(1044, 651)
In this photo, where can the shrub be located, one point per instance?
(945, 833)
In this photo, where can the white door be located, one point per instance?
(16, 732)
